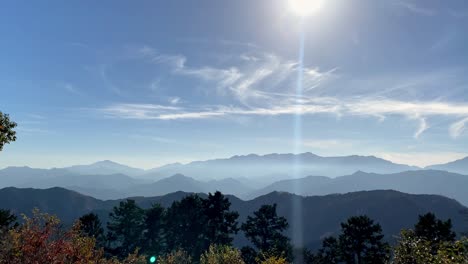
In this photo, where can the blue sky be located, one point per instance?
(152, 82)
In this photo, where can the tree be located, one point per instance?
(41, 239)
(185, 226)
(412, 249)
(221, 223)
(7, 134)
(221, 254)
(176, 257)
(7, 219)
(274, 260)
(249, 255)
(125, 228)
(435, 230)
(265, 229)
(154, 237)
(91, 226)
(328, 254)
(361, 242)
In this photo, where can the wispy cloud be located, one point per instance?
(259, 77)
(361, 107)
(423, 126)
(153, 138)
(174, 100)
(265, 86)
(71, 89)
(457, 128)
(413, 8)
(102, 70)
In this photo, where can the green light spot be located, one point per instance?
(152, 259)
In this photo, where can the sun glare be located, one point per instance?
(305, 7)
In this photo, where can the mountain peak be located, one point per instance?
(107, 162)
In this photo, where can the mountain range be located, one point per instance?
(264, 168)
(320, 215)
(107, 179)
(444, 183)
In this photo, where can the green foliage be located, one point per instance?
(249, 255)
(154, 237)
(7, 134)
(126, 228)
(413, 249)
(7, 219)
(221, 223)
(431, 242)
(273, 260)
(176, 257)
(185, 225)
(265, 229)
(329, 253)
(361, 241)
(435, 230)
(221, 254)
(91, 226)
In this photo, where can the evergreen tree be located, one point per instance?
(433, 229)
(186, 223)
(154, 238)
(221, 223)
(249, 255)
(265, 231)
(361, 242)
(125, 228)
(7, 134)
(91, 226)
(328, 254)
(7, 219)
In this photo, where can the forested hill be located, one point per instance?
(321, 215)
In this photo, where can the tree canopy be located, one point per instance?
(265, 231)
(125, 228)
(7, 132)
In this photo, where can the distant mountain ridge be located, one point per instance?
(444, 183)
(321, 215)
(105, 167)
(457, 166)
(251, 166)
(245, 176)
(279, 165)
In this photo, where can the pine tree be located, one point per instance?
(125, 228)
(221, 223)
(90, 225)
(265, 231)
(154, 238)
(361, 242)
(186, 222)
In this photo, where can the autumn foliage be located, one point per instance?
(41, 239)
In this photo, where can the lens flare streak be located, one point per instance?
(297, 226)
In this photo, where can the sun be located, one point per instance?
(304, 8)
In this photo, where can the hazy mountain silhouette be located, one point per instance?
(179, 182)
(458, 166)
(20, 176)
(417, 182)
(321, 215)
(265, 166)
(104, 168)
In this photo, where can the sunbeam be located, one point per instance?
(297, 203)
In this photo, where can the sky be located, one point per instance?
(146, 83)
